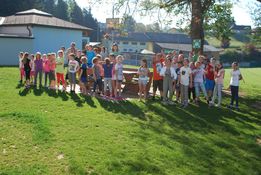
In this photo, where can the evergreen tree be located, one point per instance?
(61, 10)
(89, 21)
(75, 12)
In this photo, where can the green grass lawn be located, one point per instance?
(43, 132)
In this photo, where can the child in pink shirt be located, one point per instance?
(219, 75)
(52, 65)
(46, 69)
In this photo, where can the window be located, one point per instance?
(125, 50)
(130, 50)
(142, 44)
(134, 43)
(125, 42)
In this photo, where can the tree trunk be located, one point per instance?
(197, 23)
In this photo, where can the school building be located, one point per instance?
(35, 30)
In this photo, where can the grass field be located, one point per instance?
(43, 132)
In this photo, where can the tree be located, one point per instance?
(218, 22)
(196, 9)
(255, 12)
(128, 23)
(48, 6)
(61, 10)
(155, 27)
(75, 12)
(140, 27)
(89, 21)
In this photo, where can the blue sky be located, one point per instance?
(240, 11)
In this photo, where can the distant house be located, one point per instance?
(241, 29)
(33, 31)
(154, 42)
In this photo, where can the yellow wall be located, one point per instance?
(150, 46)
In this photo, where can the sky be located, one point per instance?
(240, 12)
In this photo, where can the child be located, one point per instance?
(32, 65)
(113, 78)
(83, 75)
(107, 67)
(143, 72)
(177, 84)
(100, 65)
(236, 76)
(52, 66)
(169, 76)
(73, 67)
(38, 69)
(185, 79)
(90, 54)
(209, 75)
(21, 66)
(96, 75)
(191, 90)
(27, 68)
(198, 74)
(219, 80)
(157, 79)
(46, 62)
(119, 75)
(60, 69)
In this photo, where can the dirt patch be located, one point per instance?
(257, 105)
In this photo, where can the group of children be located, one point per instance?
(105, 74)
(173, 74)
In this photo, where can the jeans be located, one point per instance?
(40, 73)
(46, 75)
(199, 86)
(167, 87)
(234, 95)
(192, 91)
(184, 94)
(217, 92)
(107, 82)
(99, 83)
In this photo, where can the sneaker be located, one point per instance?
(171, 103)
(164, 102)
(217, 106)
(184, 106)
(153, 98)
(210, 104)
(237, 108)
(229, 106)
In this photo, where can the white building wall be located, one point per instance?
(49, 39)
(11, 47)
(16, 30)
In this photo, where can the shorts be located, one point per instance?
(157, 84)
(51, 75)
(72, 77)
(143, 82)
(22, 71)
(84, 79)
(209, 84)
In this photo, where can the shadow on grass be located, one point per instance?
(124, 107)
(204, 135)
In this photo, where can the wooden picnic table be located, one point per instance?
(131, 81)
